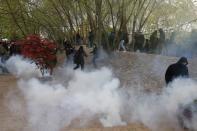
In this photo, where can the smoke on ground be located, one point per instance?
(83, 96)
(22, 67)
(159, 111)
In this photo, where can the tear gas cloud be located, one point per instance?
(159, 111)
(22, 67)
(97, 95)
(53, 106)
(181, 49)
(181, 44)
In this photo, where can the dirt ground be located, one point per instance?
(128, 67)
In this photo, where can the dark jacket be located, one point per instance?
(79, 56)
(177, 70)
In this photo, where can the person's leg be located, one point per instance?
(76, 67)
(94, 62)
(123, 47)
(3, 59)
(82, 65)
(51, 71)
(119, 47)
(4, 69)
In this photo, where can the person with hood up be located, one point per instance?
(79, 58)
(176, 70)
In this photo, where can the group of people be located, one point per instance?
(8, 48)
(158, 43)
(77, 56)
(174, 71)
(154, 44)
(79, 39)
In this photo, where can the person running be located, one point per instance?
(79, 58)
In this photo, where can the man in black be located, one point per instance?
(79, 58)
(176, 70)
(139, 41)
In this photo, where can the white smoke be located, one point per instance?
(22, 67)
(159, 111)
(83, 95)
(51, 107)
(95, 95)
(102, 55)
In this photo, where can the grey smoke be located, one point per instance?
(96, 95)
(159, 111)
(51, 106)
(22, 67)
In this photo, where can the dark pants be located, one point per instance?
(94, 61)
(4, 69)
(78, 65)
(4, 58)
(91, 43)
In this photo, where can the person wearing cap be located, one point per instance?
(176, 70)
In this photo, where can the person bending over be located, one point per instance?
(176, 70)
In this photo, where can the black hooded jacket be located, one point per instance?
(176, 70)
(79, 56)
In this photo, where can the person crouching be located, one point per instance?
(176, 70)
